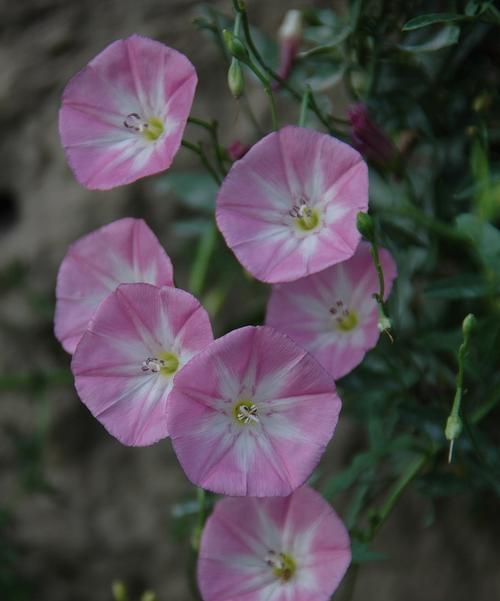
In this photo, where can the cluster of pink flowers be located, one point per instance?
(249, 414)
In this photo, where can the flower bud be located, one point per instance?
(290, 36)
(369, 139)
(453, 427)
(364, 223)
(235, 79)
(236, 150)
(235, 46)
(148, 596)
(468, 325)
(291, 28)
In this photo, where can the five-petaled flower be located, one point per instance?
(125, 251)
(124, 365)
(273, 549)
(288, 207)
(123, 115)
(251, 414)
(332, 313)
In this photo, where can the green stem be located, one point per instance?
(406, 478)
(431, 223)
(454, 422)
(241, 10)
(304, 106)
(212, 128)
(198, 149)
(201, 263)
(267, 89)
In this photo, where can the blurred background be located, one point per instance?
(77, 509)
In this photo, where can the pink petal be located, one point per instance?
(124, 251)
(296, 405)
(242, 533)
(302, 309)
(132, 76)
(283, 171)
(134, 323)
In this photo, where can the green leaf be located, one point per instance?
(485, 237)
(196, 189)
(361, 553)
(430, 19)
(446, 36)
(466, 286)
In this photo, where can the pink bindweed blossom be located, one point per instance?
(125, 251)
(123, 115)
(251, 414)
(288, 207)
(124, 365)
(280, 549)
(332, 313)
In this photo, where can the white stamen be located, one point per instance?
(134, 122)
(153, 365)
(247, 414)
(300, 210)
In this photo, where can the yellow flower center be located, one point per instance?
(153, 129)
(283, 565)
(170, 363)
(306, 218)
(347, 322)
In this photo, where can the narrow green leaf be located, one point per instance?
(361, 553)
(466, 286)
(430, 19)
(446, 36)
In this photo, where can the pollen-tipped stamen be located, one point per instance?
(151, 129)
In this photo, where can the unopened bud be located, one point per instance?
(453, 427)
(291, 28)
(119, 591)
(364, 224)
(290, 36)
(148, 596)
(235, 46)
(235, 79)
(468, 325)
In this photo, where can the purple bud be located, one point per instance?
(370, 140)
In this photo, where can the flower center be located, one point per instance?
(346, 320)
(283, 565)
(151, 129)
(246, 412)
(166, 364)
(306, 218)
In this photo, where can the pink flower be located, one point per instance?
(124, 364)
(288, 207)
(252, 414)
(124, 251)
(281, 549)
(332, 314)
(123, 115)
